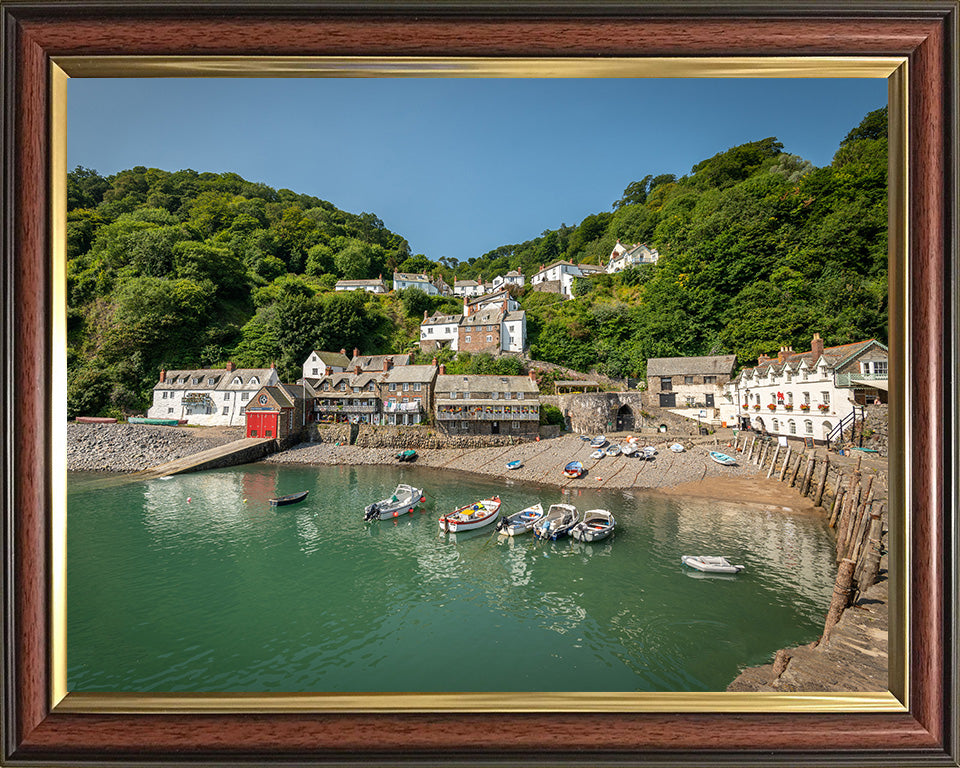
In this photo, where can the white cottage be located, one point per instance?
(403, 280)
(623, 256)
(806, 395)
(209, 396)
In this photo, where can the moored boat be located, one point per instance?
(710, 564)
(407, 455)
(514, 464)
(612, 450)
(677, 448)
(290, 498)
(156, 422)
(521, 522)
(722, 458)
(403, 501)
(597, 524)
(558, 521)
(95, 420)
(573, 469)
(472, 516)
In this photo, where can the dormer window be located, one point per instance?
(255, 381)
(237, 380)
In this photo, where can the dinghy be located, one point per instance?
(722, 458)
(677, 448)
(521, 522)
(472, 516)
(407, 455)
(629, 449)
(710, 564)
(597, 524)
(649, 452)
(290, 498)
(613, 450)
(573, 469)
(401, 502)
(558, 521)
(514, 464)
(598, 454)
(598, 442)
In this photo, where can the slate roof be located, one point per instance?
(485, 383)
(678, 366)
(375, 362)
(410, 373)
(222, 379)
(438, 319)
(333, 359)
(411, 277)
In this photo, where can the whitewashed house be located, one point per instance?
(805, 395)
(559, 276)
(438, 331)
(320, 363)
(403, 280)
(513, 277)
(210, 397)
(491, 323)
(467, 288)
(623, 256)
(371, 286)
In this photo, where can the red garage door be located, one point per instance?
(262, 423)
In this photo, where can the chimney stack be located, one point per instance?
(358, 369)
(763, 360)
(424, 314)
(782, 355)
(816, 347)
(329, 371)
(533, 376)
(343, 352)
(466, 306)
(356, 352)
(443, 370)
(230, 367)
(273, 365)
(434, 363)
(163, 373)
(386, 364)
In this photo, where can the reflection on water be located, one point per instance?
(194, 583)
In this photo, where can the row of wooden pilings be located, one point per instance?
(857, 508)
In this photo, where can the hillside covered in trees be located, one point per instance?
(757, 249)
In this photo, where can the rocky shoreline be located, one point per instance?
(135, 447)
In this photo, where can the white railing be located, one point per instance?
(846, 379)
(408, 407)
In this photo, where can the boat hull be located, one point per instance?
(468, 519)
(293, 498)
(710, 564)
(722, 458)
(521, 522)
(558, 521)
(387, 508)
(597, 525)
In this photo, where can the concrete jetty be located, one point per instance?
(241, 451)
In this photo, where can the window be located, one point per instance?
(255, 381)
(406, 386)
(226, 395)
(370, 386)
(356, 389)
(226, 410)
(393, 387)
(519, 395)
(825, 398)
(516, 425)
(237, 380)
(196, 379)
(468, 339)
(666, 382)
(243, 409)
(774, 425)
(416, 387)
(808, 427)
(789, 398)
(169, 410)
(489, 338)
(164, 394)
(806, 375)
(493, 395)
(806, 398)
(688, 379)
(244, 395)
(792, 426)
(709, 379)
(315, 371)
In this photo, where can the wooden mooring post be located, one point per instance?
(753, 444)
(837, 504)
(808, 475)
(796, 470)
(786, 463)
(773, 464)
(818, 498)
(841, 596)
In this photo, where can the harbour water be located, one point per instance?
(194, 583)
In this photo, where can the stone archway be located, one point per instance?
(626, 421)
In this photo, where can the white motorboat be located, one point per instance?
(403, 500)
(521, 522)
(710, 564)
(613, 450)
(629, 449)
(598, 442)
(598, 454)
(472, 516)
(558, 521)
(677, 448)
(597, 524)
(649, 452)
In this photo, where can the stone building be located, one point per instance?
(321, 363)
(406, 394)
(487, 405)
(689, 382)
(349, 396)
(490, 323)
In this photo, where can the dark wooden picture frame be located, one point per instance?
(925, 33)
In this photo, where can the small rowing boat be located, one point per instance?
(407, 455)
(558, 521)
(514, 464)
(709, 564)
(613, 450)
(472, 516)
(598, 442)
(677, 448)
(573, 469)
(402, 501)
(722, 458)
(290, 498)
(521, 522)
(597, 524)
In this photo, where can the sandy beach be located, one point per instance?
(691, 473)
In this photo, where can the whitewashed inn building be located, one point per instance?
(805, 395)
(209, 397)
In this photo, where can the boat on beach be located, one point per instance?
(677, 448)
(290, 498)
(598, 454)
(722, 458)
(597, 525)
(407, 455)
(514, 464)
(558, 521)
(472, 516)
(649, 452)
(629, 449)
(520, 522)
(401, 502)
(710, 564)
(598, 442)
(573, 469)
(613, 450)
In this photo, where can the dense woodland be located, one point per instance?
(758, 248)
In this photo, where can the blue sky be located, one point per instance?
(457, 167)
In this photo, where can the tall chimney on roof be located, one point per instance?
(782, 355)
(386, 364)
(763, 360)
(229, 367)
(329, 371)
(424, 314)
(343, 352)
(443, 370)
(466, 306)
(816, 347)
(533, 376)
(357, 369)
(163, 373)
(356, 352)
(434, 363)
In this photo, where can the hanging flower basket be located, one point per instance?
(823, 407)
(772, 407)
(788, 407)
(804, 407)
(756, 407)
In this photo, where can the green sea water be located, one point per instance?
(194, 583)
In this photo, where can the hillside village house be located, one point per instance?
(321, 363)
(806, 394)
(487, 405)
(376, 362)
(433, 286)
(489, 323)
(210, 397)
(559, 276)
(406, 394)
(689, 382)
(623, 256)
(513, 277)
(278, 411)
(467, 288)
(371, 286)
(349, 396)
